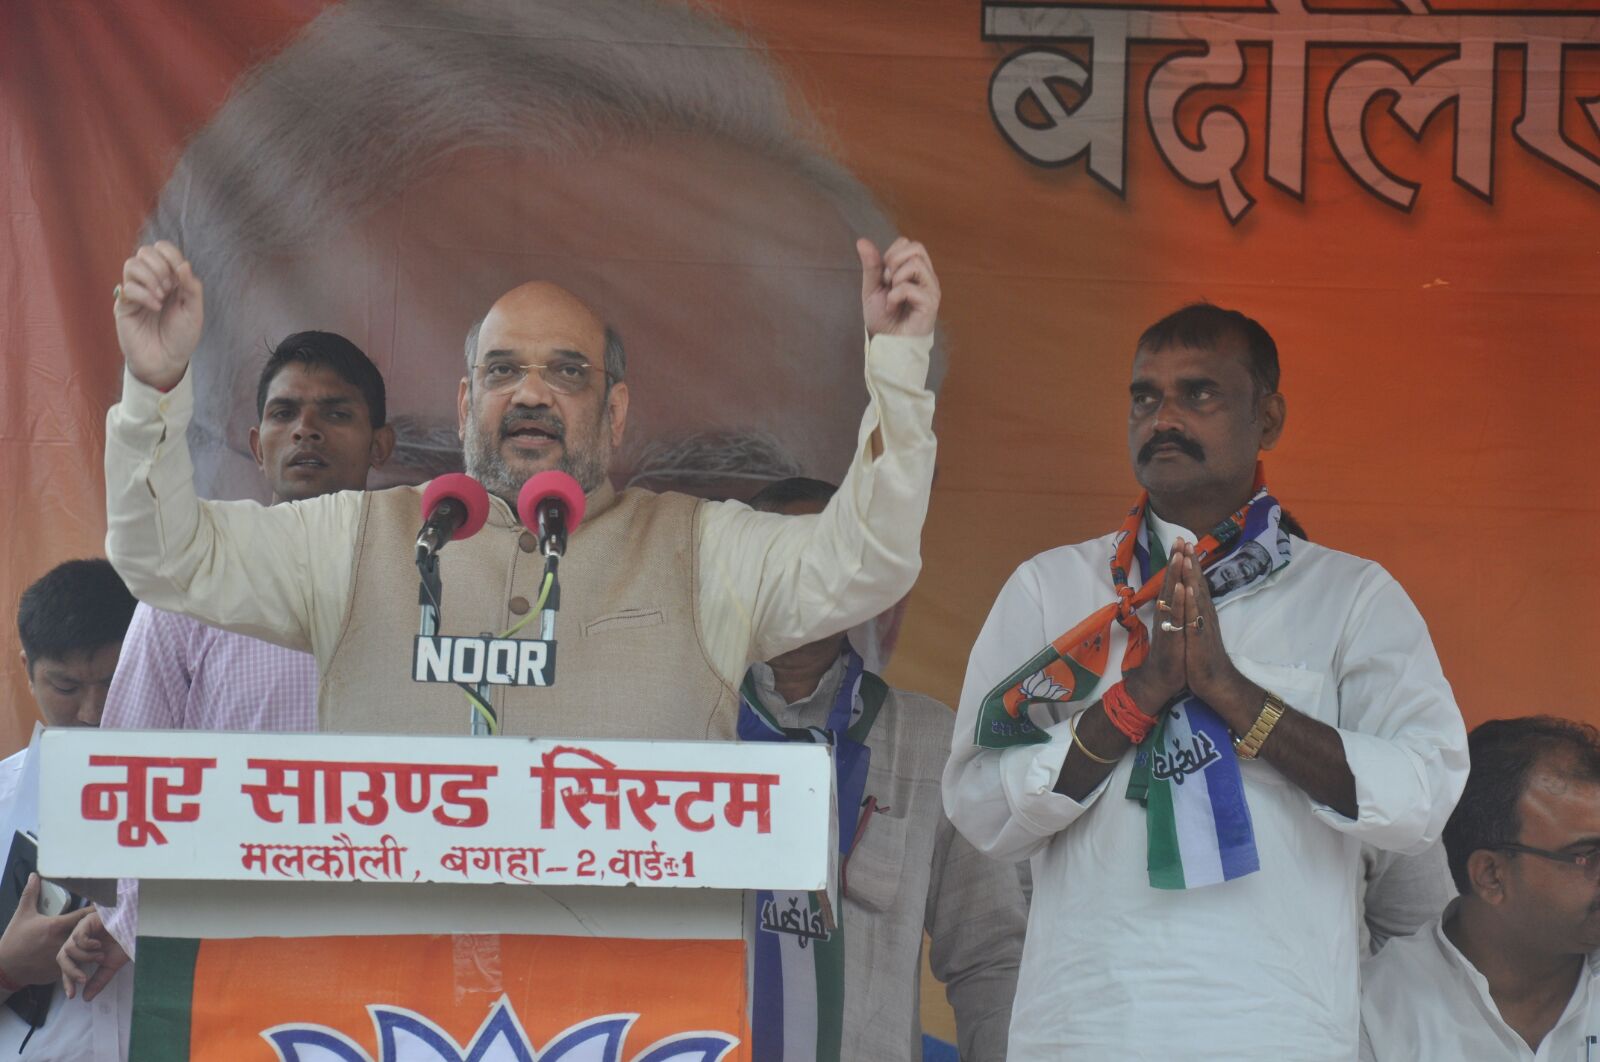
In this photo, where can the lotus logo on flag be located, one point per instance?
(1041, 687)
(406, 1036)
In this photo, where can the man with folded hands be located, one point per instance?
(1192, 726)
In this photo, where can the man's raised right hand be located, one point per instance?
(160, 310)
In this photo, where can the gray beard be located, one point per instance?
(483, 461)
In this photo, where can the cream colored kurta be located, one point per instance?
(762, 583)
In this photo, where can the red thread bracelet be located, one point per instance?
(1125, 714)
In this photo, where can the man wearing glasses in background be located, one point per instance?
(1509, 970)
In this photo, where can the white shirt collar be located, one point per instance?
(1452, 954)
(1163, 532)
(1166, 533)
(796, 714)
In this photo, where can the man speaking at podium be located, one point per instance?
(666, 599)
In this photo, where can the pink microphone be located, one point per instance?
(453, 506)
(551, 504)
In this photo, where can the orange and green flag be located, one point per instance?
(439, 998)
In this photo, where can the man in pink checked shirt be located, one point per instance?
(322, 428)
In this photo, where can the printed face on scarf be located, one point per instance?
(1247, 563)
(1197, 421)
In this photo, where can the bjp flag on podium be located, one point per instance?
(440, 998)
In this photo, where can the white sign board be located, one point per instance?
(307, 807)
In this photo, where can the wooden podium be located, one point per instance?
(353, 898)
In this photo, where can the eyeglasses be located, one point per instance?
(564, 377)
(1588, 861)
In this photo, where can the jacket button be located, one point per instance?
(519, 606)
(528, 541)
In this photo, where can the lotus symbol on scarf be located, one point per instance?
(1042, 687)
(406, 1036)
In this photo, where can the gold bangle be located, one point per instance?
(1249, 746)
(1072, 728)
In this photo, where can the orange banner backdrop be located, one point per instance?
(1439, 351)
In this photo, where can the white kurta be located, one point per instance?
(1262, 967)
(1422, 1000)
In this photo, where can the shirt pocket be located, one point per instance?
(872, 874)
(629, 619)
(1298, 687)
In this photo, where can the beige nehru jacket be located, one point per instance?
(315, 575)
(629, 659)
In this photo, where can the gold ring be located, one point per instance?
(1162, 606)
(1198, 623)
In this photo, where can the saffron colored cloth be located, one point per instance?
(1260, 968)
(1186, 773)
(1422, 999)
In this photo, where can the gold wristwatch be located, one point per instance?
(1249, 746)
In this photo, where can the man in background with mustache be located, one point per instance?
(1509, 970)
(666, 599)
(1221, 715)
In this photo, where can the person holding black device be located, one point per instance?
(71, 624)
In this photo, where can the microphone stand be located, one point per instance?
(430, 597)
(479, 717)
(552, 524)
(429, 594)
(552, 603)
